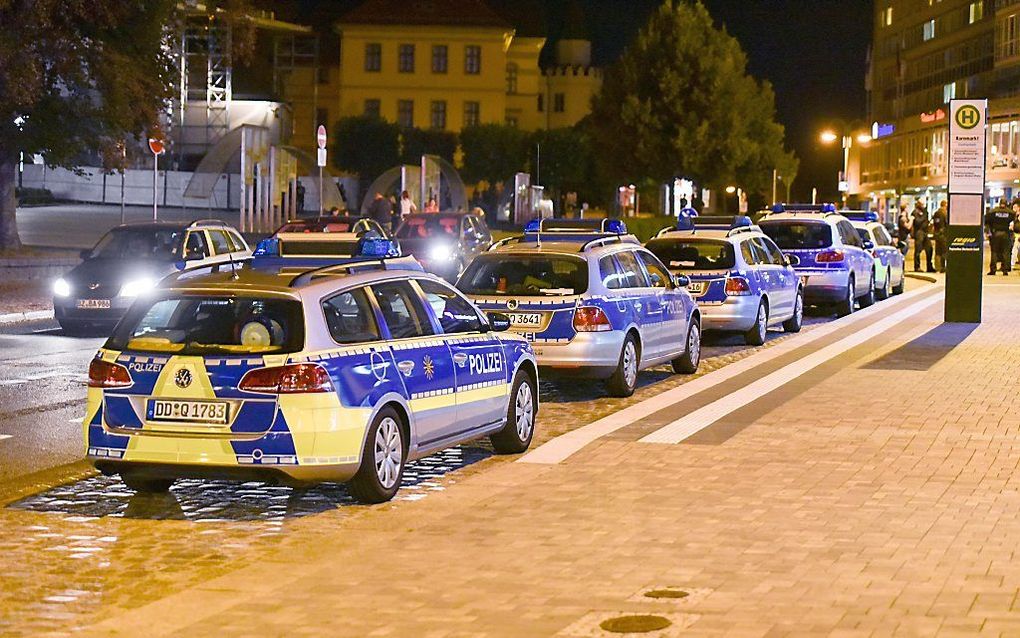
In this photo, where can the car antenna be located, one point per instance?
(233, 267)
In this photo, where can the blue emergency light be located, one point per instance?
(804, 208)
(860, 215)
(555, 225)
(715, 222)
(268, 247)
(377, 247)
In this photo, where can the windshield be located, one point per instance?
(425, 226)
(798, 235)
(863, 234)
(317, 226)
(693, 254)
(139, 243)
(200, 325)
(494, 274)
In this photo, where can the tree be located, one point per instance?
(567, 162)
(493, 152)
(367, 146)
(680, 102)
(418, 142)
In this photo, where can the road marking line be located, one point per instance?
(564, 446)
(6, 436)
(701, 418)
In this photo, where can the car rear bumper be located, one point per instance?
(824, 286)
(736, 314)
(587, 355)
(291, 475)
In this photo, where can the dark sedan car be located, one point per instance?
(444, 243)
(337, 224)
(130, 260)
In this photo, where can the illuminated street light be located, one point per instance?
(864, 138)
(731, 189)
(828, 137)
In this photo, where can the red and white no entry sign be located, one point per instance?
(156, 146)
(320, 136)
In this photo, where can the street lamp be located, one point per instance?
(829, 137)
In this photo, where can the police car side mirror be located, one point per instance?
(498, 322)
(682, 281)
(792, 260)
(869, 245)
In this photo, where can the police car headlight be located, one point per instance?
(61, 288)
(441, 253)
(137, 287)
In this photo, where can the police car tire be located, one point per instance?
(688, 362)
(508, 440)
(366, 487)
(146, 485)
(756, 335)
(796, 322)
(846, 307)
(617, 385)
(898, 288)
(885, 291)
(868, 299)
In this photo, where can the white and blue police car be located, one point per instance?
(890, 266)
(740, 279)
(293, 371)
(833, 263)
(591, 299)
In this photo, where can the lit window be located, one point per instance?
(888, 16)
(977, 11)
(438, 115)
(472, 59)
(929, 30)
(949, 92)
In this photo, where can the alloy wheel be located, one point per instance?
(525, 411)
(630, 364)
(389, 452)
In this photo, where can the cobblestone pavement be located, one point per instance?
(751, 530)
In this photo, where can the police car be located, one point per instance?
(591, 299)
(833, 263)
(282, 372)
(890, 268)
(739, 277)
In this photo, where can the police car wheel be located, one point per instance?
(382, 460)
(886, 290)
(846, 307)
(898, 288)
(624, 379)
(868, 299)
(146, 485)
(796, 322)
(689, 361)
(516, 435)
(756, 335)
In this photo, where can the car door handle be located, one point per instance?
(406, 367)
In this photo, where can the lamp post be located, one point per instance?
(828, 137)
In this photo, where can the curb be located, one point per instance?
(917, 275)
(18, 317)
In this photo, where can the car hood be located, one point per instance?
(118, 271)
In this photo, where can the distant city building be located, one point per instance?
(925, 53)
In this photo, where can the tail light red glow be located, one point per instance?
(297, 378)
(737, 286)
(829, 257)
(103, 374)
(591, 319)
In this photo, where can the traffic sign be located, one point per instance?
(156, 146)
(320, 136)
(321, 157)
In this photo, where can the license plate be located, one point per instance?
(696, 287)
(525, 319)
(194, 411)
(94, 303)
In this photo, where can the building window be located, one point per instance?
(541, 103)
(373, 57)
(405, 113)
(949, 92)
(322, 117)
(373, 108)
(405, 62)
(928, 32)
(472, 59)
(977, 11)
(511, 79)
(438, 115)
(559, 103)
(472, 113)
(440, 58)
(887, 16)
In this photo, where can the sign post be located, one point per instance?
(157, 148)
(965, 240)
(320, 137)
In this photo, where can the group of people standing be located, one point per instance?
(389, 213)
(928, 232)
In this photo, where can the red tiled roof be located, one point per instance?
(466, 13)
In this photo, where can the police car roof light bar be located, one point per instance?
(804, 208)
(356, 265)
(560, 225)
(860, 215)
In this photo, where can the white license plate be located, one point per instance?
(525, 319)
(697, 287)
(195, 411)
(94, 303)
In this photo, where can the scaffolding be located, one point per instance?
(205, 76)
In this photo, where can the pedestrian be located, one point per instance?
(300, 197)
(381, 210)
(903, 229)
(940, 228)
(334, 212)
(921, 226)
(407, 206)
(432, 206)
(1015, 242)
(998, 222)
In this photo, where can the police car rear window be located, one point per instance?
(207, 325)
(495, 274)
(693, 254)
(798, 235)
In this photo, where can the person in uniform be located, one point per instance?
(998, 222)
(940, 228)
(921, 225)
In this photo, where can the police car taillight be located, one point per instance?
(298, 378)
(829, 257)
(591, 319)
(103, 374)
(737, 286)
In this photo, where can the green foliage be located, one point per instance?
(418, 142)
(493, 152)
(680, 102)
(568, 164)
(367, 146)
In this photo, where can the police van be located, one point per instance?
(591, 299)
(293, 371)
(741, 280)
